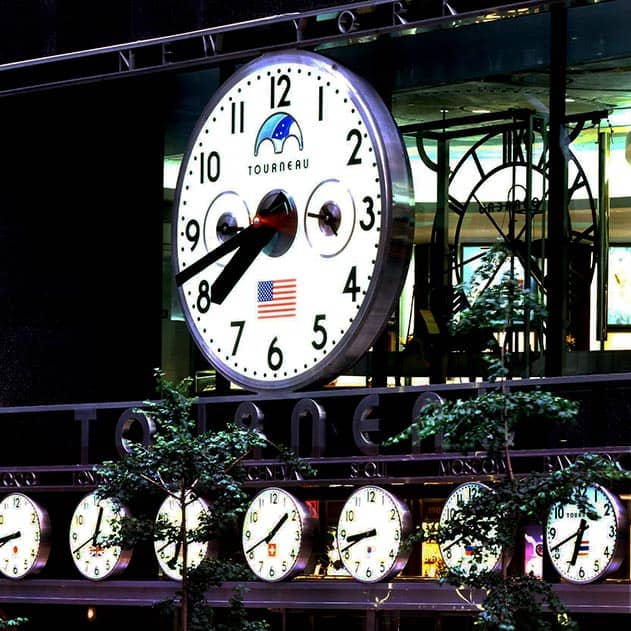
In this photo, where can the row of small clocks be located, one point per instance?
(278, 533)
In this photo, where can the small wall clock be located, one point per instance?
(24, 536)
(459, 554)
(370, 532)
(293, 222)
(169, 553)
(582, 549)
(277, 535)
(94, 520)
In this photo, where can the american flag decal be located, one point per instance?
(276, 298)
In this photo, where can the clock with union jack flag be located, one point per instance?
(293, 222)
(94, 521)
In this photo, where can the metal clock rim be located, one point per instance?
(45, 535)
(125, 554)
(617, 556)
(396, 224)
(405, 519)
(307, 532)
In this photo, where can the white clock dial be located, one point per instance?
(584, 550)
(24, 536)
(460, 554)
(293, 222)
(277, 535)
(170, 553)
(93, 521)
(370, 532)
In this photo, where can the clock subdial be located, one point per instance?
(329, 218)
(227, 215)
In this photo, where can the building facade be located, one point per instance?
(514, 121)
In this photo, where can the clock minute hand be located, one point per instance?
(273, 216)
(351, 540)
(240, 262)
(5, 538)
(268, 537)
(214, 255)
(97, 528)
(276, 528)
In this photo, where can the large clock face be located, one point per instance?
(582, 549)
(24, 536)
(293, 222)
(93, 521)
(370, 534)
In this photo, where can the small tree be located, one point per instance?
(14, 623)
(490, 423)
(185, 464)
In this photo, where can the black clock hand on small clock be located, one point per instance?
(583, 526)
(92, 538)
(577, 535)
(351, 540)
(270, 535)
(328, 216)
(5, 538)
(97, 528)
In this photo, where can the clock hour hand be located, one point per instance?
(214, 255)
(239, 263)
(5, 538)
(273, 216)
(270, 535)
(572, 536)
(351, 540)
(579, 540)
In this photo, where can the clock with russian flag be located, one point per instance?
(293, 222)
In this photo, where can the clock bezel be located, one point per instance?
(397, 225)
